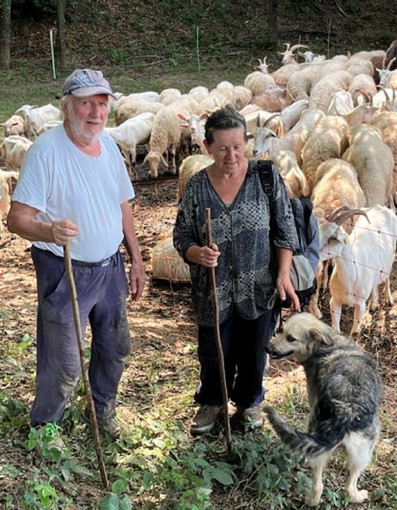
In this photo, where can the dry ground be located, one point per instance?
(162, 371)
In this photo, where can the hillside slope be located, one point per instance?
(114, 32)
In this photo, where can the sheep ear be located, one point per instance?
(250, 136)
(204, 116)
(181, 116)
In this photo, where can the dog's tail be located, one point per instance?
(310, 445)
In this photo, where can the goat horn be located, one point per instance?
(296, 46)
(288, 45)
(270, 118)
(385, 92)
(258, 120)
(344, 216)
(338, 210)
(389, 64)
(367, 97)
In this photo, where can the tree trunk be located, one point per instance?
(60, 38)
(5, 33)
(273, 24)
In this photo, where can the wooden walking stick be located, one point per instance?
(218, 337)
(87, 386)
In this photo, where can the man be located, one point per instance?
(74, 188)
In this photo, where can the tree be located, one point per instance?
(273, 23)
(60, 38)
(5, 33)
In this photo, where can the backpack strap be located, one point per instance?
(264, 169)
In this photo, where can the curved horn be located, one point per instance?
(381, 87)
(367, 97)
(389, 64)
(341, 208)
(270, 118)
(296, 46)
(288, 45)
(344, 216)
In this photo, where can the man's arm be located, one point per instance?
(22, 220)
(137, 271)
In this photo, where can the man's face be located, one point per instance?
(87, 117)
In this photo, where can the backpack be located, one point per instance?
(307, 255)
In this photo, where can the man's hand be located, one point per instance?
(64, 231)
(137, 280)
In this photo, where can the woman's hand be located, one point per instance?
(209, 255)
(205, 255)
(285, 289)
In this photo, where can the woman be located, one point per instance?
(252, 268)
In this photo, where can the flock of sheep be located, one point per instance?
(330, 125)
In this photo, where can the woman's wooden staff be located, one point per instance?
(87, 386)
(218, 337)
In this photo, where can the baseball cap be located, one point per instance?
(86, 83)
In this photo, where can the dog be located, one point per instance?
(344, 393)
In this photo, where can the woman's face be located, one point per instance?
(227, 149)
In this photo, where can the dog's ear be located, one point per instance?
(321, 336)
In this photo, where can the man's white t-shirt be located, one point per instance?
(63, 182)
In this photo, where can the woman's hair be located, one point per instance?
(222, 119)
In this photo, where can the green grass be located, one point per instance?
(34, 84)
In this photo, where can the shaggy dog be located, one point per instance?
(344, 391)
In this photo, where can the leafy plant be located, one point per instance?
(116, 500)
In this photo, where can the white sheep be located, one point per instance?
(273, 99)
(258, 82)
(166, 133)
(361, 87)
(283, 73)
(15, 125)
(362, 261)
(168, 96)
(190, 166)
(328, 139)
(148, 95)
(321, 93)
(387, 123)
(199, 93)
(373, 161)
(336, 185)
(13, 150)
(5, 200)
(129, 134)
(128, 107)
(294, 179)
(36, 116)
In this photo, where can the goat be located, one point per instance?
(129, 134)
(37, 116)
(363, 260)
(13, 150)
(289, 55)
(15, 125)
